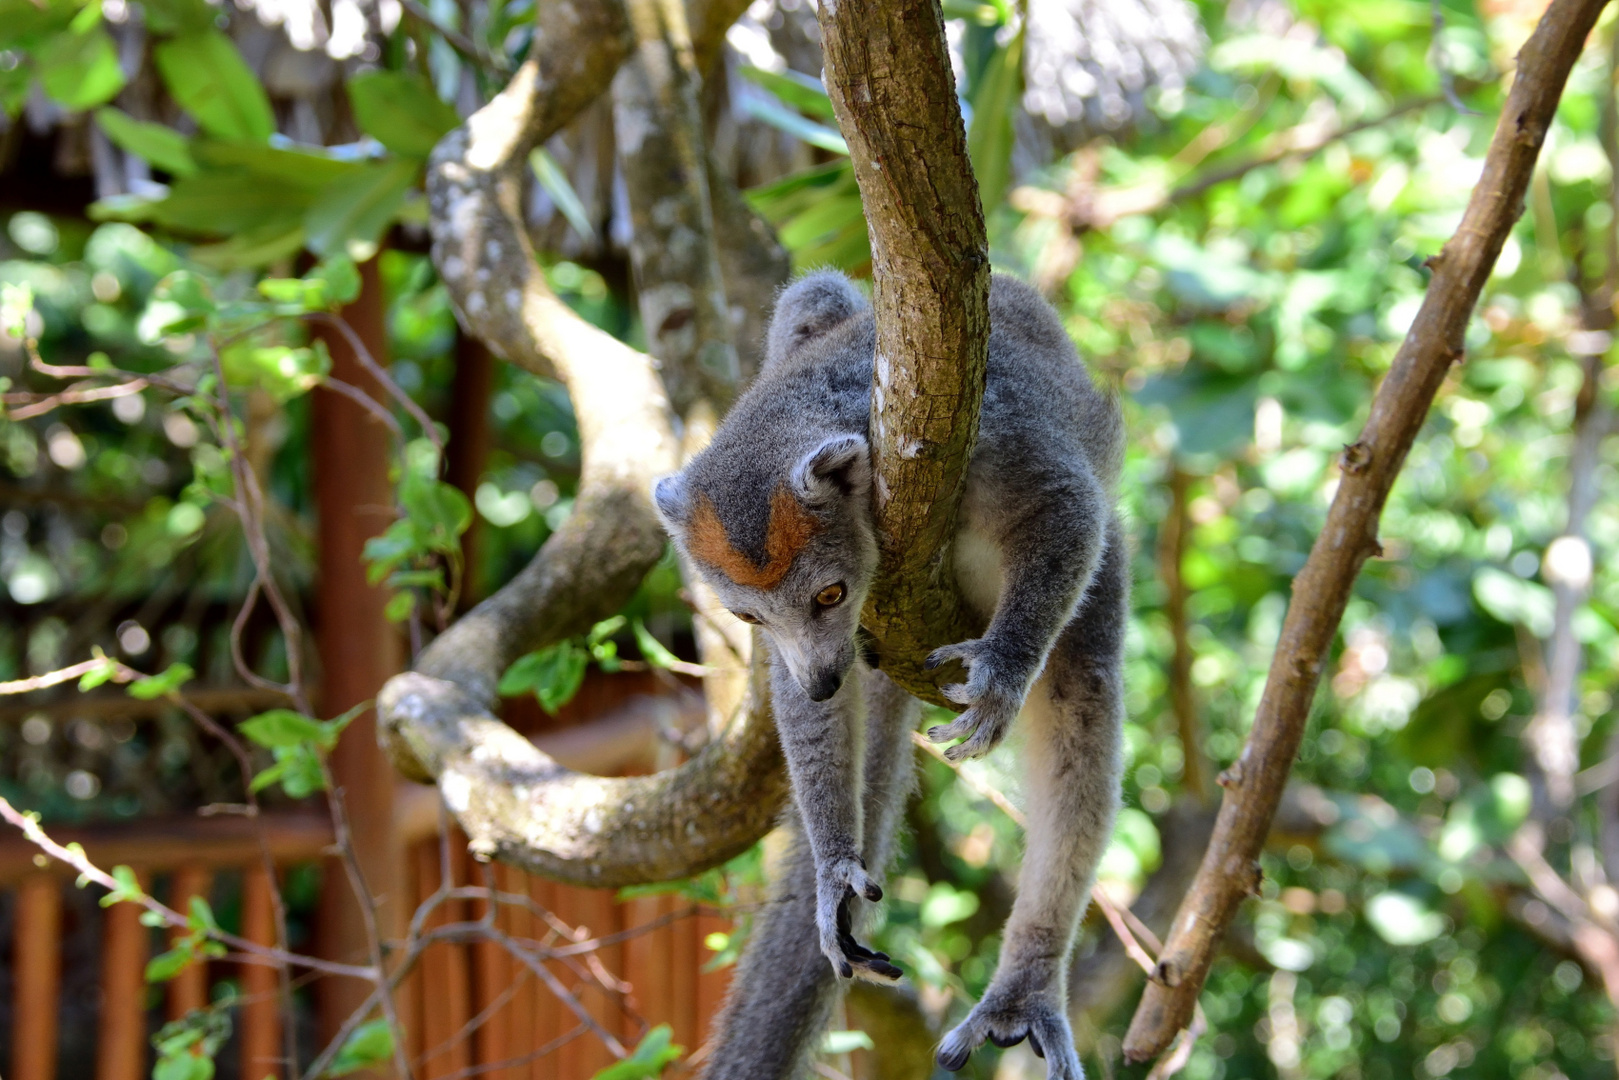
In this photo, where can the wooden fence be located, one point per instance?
(468, 1007)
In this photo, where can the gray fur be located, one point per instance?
(1041, 561)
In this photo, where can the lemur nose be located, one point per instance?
(824, 685)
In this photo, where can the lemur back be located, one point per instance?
(776, 514)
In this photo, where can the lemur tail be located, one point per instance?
(783, 992)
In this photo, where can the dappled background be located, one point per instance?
(1231, 207)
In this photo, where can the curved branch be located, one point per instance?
(888, 74)
(513, 801)
(679, 288)
(1435, 341)
(516, 804)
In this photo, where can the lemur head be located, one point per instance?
(776, 512)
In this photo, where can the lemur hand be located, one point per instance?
(836, 884)
(994, 692)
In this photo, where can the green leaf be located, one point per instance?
(279, 236)
(399, 607)
(370, 1044)
(211, 81)
(281, 371)
(200, 916)
(306, 170)
(649, 1060)
(552, 674)
(224, 202)
(281, 728)
(353, 213)
(435, 507)
(160, 145)
(995, 104)
(400, 111)
(80, 70)
(156, 686)
(801, 91)
(762, 108)
(559, 188)
(185, 1066)
(652, 649)
(125, 887)
(165, 966)
(188, 290)
(98, 675)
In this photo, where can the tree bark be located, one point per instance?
(888, 74)
(1254, 783)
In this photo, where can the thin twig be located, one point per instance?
(1254, 783)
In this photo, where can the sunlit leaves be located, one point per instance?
(400, 111)
(553, 675)
(651, 1057)
(186, 1047)
(299, 745)
(79, 68)
(211, 81)
(161, 146)
(372, 1043)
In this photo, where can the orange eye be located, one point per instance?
(831, 596)
(745, 617)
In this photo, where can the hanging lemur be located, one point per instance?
(777, 515)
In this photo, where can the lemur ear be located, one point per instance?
(808, 308)
(669, 499)
(840, 466)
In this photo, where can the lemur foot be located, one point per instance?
(992, 691)
(1006, 1020)
(836, 885)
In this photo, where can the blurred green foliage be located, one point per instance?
(1246, 324)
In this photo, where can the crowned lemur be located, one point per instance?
(776, 513)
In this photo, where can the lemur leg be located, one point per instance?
(1051, 542)
(782, 996)
(824, 743)
(1075, 714)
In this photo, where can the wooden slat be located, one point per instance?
(447, 1001)
(37, 977)
(595, 911)
(189, 989)
(684, 961)
(161, 843)
(260, 1015)
(549, 1021)
(711, 985)
(121, 1030)
(493, 973)
(646, 969)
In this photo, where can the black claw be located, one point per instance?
(933, 661)
(954, 1062)
(874, 892)
(879, 955)
(845, 970)
(1010, 1040)
(1034, 1044)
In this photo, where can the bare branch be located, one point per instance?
(1255, 782)
(888, 74)
(518, 805)
(664, 161)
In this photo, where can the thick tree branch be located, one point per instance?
(661, 153)
(888, 74)
(513, 801)
(1254, 783)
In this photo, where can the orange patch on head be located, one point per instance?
(788, 530)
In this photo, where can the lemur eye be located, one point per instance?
(745, 617)
(831, 596)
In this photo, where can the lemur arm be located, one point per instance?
(824, 743)
(1051, 539)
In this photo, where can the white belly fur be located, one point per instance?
(979, 575)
